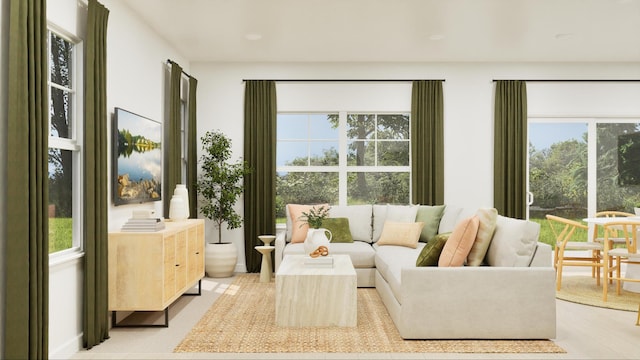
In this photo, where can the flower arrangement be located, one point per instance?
(315, 216)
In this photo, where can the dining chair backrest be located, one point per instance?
(568, 227)
(612, 231)
(628, 230)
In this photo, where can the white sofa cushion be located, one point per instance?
(359, 219)
(449, 219)
(452, 215)
(361, 252)
(514, 242)
(389, 263)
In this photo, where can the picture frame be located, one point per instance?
(137, 158)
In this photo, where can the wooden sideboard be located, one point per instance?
(149, 270)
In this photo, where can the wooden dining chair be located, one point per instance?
(616, 256)
(615, 233)
(569, 252)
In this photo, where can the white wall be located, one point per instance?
(136, 60)
(468, 106)
(136, 57)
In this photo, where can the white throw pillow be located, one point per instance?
(514, 242)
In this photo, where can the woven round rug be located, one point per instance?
(242, 320)
(582, 289)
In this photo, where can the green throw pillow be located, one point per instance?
(430, 253)
(339, 228)
(430, 216)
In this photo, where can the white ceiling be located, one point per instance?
(397, 30)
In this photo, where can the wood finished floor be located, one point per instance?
(585, 332)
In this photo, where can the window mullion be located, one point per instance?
(342, 158)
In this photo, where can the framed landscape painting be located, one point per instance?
(137, 158)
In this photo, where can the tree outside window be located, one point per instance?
(342, 158)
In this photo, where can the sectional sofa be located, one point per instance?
(498, 285)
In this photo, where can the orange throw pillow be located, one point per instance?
(459, 244)
(299, 227)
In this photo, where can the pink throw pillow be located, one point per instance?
(300, 228)
(459, 244)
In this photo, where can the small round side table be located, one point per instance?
(266, 239)
(265, 269)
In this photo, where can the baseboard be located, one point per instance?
(68, 349)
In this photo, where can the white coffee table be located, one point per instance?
(316, 296)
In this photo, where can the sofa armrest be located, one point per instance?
(542, 257)
(279, 244)
(508, 302)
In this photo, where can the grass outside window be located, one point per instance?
(60, 234)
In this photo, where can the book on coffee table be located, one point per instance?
(320, 261)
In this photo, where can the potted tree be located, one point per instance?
(220, 186)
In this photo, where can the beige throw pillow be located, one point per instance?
(487, 218)
(402, 234)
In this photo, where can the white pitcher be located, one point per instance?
(316, 238)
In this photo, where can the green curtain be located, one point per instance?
(510, 148)
(427, 144)
(260, 152)
(173, 148)
(192, 150)
(96, 292)
(26, 272)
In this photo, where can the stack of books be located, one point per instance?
(143, 225)
(320, 261)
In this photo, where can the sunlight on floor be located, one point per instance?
(208, 285)
(232, 290)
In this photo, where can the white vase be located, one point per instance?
(176, 209)
(316, 238)
(220, 259)
(637, 211)
(181, 190)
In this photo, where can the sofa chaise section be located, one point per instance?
(467, 303)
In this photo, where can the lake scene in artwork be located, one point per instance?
(139, 158)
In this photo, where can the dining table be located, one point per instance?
(632, 270)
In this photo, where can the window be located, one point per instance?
(65, 130)
(580, 166)
(342, 158)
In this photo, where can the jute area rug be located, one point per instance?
(583, 290)
(242, 320)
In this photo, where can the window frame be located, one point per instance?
(75, 141)
(343, 169)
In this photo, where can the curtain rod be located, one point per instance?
(340, 80)
(169, 61)
(571, 80)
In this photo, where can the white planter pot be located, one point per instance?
(220, 259)
(637, 211)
